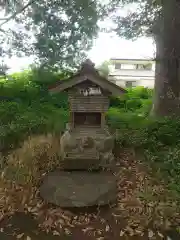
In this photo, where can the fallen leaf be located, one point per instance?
(107, 228)
(67, 231)
(48, 222)
(160, 235)
(102, 220)
(99, 231)
(150, 233)
(130, 231)
(19, 236)
(56, 233)
(61, 221)
(121, 233)
(87, 229)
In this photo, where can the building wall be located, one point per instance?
(128, 75)
(142, 83)
(133, 73)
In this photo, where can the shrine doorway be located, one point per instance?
(87, 119)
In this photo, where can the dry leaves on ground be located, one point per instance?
(141, 205)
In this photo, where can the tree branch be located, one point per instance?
(3, 19)
(16, 13)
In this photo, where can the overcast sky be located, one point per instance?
(106, 47)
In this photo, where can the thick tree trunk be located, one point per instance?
(167, 80)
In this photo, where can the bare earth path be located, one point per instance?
(136, 216)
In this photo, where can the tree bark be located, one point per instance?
(167, 75)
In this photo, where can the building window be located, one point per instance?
(117, 65)
(144, 66)
(128, 66)
(130, 84)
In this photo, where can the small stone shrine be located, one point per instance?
(86, 144)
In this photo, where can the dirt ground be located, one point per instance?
(136, 215)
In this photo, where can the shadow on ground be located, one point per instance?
(24, 223)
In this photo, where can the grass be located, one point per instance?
(37, 155)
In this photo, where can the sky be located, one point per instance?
(106, 47)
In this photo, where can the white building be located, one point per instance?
(132, 72)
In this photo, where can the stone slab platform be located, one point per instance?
(79, 189)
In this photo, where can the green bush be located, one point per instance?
(26, 107)
(158, 140)
(119, 102)
(19, 120)
(140, 92)
(120, 119)
(133, 104)
(137, 100)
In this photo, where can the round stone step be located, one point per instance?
(79, 189)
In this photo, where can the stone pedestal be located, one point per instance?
(86, 148)
(79, 189)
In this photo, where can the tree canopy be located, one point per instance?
(56, 32)
(104, 68)
(142, 18)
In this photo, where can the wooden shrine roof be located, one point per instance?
(87, 72)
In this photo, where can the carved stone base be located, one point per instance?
(87, 148)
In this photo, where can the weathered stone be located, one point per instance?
(67, 142)
(93, 152)
(79, 189)
(106, 145)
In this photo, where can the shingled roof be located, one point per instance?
(87, 72)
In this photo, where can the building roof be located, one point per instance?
(132, 59)
(87, 72)
(132, 76)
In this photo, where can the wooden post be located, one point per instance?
(103, 120)
(71, 120)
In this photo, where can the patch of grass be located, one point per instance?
(38, 155)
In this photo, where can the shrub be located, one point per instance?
(136, 100)
(19, 120)
(140, 93)
(120, 118)
(133, 104)
(26, 107)
(157, 139)
(118, 102)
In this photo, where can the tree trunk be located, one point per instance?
(167, 75)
